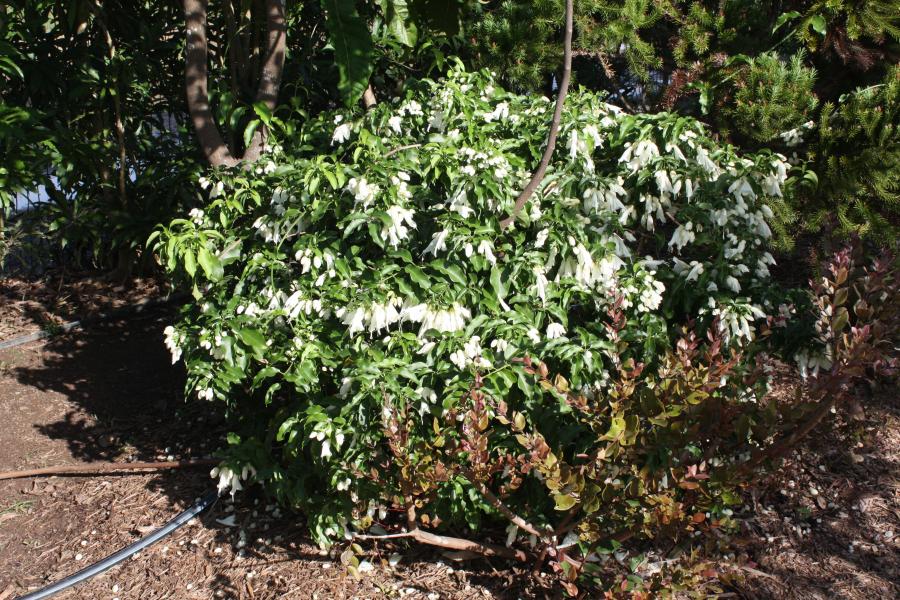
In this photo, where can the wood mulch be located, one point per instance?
(827, 525)
(29, 305)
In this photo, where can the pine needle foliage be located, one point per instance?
(769, 96)
(857, 159)
(520, 40)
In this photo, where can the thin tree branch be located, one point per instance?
(539, 173)
(401, 148)
(505, 510)
(96, 9)
(89, 469)
(451, 543)
(788, 441)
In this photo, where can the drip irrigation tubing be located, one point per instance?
(99, 567)
(135, 308)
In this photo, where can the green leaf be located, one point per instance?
(784, 18)
(254, 339)
(210, 263)
(497, 282)
(454, 272)
(564, 502)
(841, 318)
(190, 263)
(418, 276)
(234, 119)
(818, 24)
(263, 112)
(401, 26)
(353, 48)
(250, 130)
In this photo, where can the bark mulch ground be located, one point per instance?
(826, 526)
(29, 305)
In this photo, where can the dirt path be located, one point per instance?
(110, 393)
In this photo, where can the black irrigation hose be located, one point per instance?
(95, 569)
(137, 307)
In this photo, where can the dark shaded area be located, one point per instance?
(120, 373)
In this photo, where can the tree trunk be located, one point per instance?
(270, 73)
(195, 83)
(214, 147)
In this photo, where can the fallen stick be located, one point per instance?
(91, 469)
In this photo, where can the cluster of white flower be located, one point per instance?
(428, 398)
(584, 145)
(297, 303)
(363, 192)
(401, 183)
(773, 181)
(281, 198)
(688, 271)
(471, 354)
(500, 112)
(322, 433)
(411, 108)
(395, 124)
(174, 341)
(540, 283)
(309, 260)
(811, 362)
(475, 161)
(581, 266)
(401, 222)
(736, 319)
(229, 479)
(438, 242)
(214, 347)
(270, 230)
(639, 155)
(217, 189)
(196, 216)
(794, 137)
(374, 318)
(555, 330)
(443, 320)
(341, 132)
(485, 249)
(459, 203)
(684, 235)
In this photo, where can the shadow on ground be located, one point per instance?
(115, 396)
(123, 400)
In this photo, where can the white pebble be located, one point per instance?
(365, 567)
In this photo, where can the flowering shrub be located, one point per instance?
(383, 344)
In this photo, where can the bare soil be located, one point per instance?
(826, 526)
